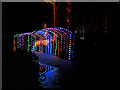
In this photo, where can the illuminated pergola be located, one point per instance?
(44, 41)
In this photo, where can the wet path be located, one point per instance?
(55, 61)
(61, 73)
(56, 72)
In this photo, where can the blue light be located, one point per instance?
(47, 77)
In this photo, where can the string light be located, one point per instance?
(28, 43)
(58, 47)
(57, 31)
(54, 42)
(69, 48)
(18, 41)
(48, 40)
(31, 42)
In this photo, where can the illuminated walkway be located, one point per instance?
(59, 73)
(55, 61)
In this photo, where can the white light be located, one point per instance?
(75, 31)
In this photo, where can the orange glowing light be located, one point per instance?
(45, 32)
(45, 25)
(37, 43)
(44, 42)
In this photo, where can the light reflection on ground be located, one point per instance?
(48, 76)
(56, 72)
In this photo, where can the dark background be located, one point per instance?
(98, 54)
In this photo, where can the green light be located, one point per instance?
(17, 41)
(56, 46)
(15, 48)
(28, 44)
(51, 32)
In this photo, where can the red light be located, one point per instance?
(67, 20)
(69, 10)
(69, 3)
